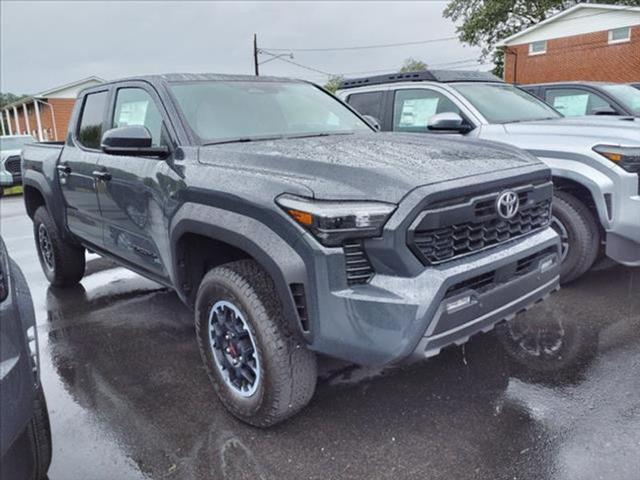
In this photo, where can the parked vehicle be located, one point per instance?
(576, 99)
(10, 148)
(25, 434)
(595, 161)
(291, 226)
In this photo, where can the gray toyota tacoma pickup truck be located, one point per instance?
(291, 226)
(595, 161)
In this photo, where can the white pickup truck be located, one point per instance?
(595, 160)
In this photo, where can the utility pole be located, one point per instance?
(255, 54)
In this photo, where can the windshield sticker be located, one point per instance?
(572, 105)
(418, 111)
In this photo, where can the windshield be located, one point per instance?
(500, 103)
(14, 143)
(221, 111)
(626, 95)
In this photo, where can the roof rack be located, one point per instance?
(442, 76)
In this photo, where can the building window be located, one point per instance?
(619, 35)
(538, 48)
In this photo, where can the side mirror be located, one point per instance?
(448, 122)
(134, 140)
(373, 121)
(604, 111)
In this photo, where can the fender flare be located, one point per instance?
(573, 168)
(277, 256)
(39, 182)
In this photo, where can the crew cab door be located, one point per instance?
(406, 109)
(130, 190)
(76, 168)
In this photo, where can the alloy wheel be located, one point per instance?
(561, 230)
(233, 348)
(46, 249)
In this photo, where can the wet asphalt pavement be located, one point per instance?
(129, 399)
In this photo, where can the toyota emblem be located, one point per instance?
(508, 204)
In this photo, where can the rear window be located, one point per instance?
(90, 125)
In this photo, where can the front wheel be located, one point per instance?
(579, 233)
(260, 368)
(62, 262)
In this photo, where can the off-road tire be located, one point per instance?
(288, 369)
(583, 232)
(40, 434)
(68, 259)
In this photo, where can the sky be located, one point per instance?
(46, 44)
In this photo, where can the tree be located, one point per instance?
(333, 83)
(8, 98)
(413, 65)
(483, 23)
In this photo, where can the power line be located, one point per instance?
(312, 69)
(364, 47)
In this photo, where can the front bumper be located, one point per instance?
(393, 319)
(623, 238)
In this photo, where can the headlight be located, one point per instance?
(333, 222)
(626, 157)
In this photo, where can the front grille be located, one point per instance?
(12, 165)
(357, 265)
(472, 225)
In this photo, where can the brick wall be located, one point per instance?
(62, 108)
(580, 57)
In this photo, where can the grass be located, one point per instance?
(13, 191)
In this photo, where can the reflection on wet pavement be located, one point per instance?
(554, 397)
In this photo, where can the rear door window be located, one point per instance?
(90, 125)
(413, 108)
(575, 102)
(367, 103)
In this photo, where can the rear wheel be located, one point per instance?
(579, 233)
(259, 366)
(63, 263)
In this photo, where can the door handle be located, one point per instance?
(64, 169)
(103, 175)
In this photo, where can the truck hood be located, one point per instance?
(380, 166)
(4, 154)
(578, 131)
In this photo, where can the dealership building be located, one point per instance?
(590, 42)
(45, 115)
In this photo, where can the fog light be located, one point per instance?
(459, 304)
(547, 264)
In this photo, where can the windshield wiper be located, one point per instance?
(244, 140)
(321, 134)
(531, 120)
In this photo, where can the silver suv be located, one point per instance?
(595, 161)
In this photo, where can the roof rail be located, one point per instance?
(442, 76)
